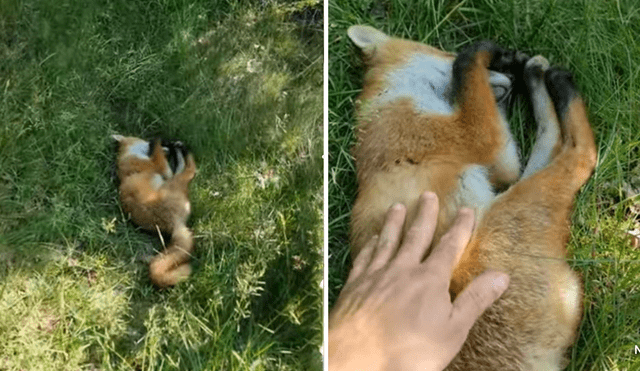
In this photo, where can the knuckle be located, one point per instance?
(449, 239)
(415, 233)
(477, 299)
(436, 270)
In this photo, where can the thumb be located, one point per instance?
(477, 297)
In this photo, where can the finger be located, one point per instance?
(389, 237)
(477, 297)
(447, 253)
(363, 259)
(418, 237)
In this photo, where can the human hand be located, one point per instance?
(395, 312)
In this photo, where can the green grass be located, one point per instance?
(240, 82)
(600, 42)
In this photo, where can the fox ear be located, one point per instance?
(366, 38)
(117, 137)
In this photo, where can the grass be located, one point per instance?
(240, 82)
(599, 42)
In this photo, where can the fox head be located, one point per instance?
(379, 46)
(410, 67)
(131, 145)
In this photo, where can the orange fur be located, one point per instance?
(405, 149)
(157, 199)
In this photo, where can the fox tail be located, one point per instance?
(172, 265)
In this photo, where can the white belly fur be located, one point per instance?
(475, 190)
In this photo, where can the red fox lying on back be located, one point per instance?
(428, 121)
(155, 194)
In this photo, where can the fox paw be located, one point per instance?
(561, 88)
(535, 68)
(491, 55)
(501, 60)
(510, 61)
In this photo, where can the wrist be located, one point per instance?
(416, 354)
(350, 351)
(406, 362)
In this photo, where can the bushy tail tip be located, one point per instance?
(172, 265)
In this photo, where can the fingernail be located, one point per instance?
(466, 211)
(501, 282)
(397, 206)
(431, 196)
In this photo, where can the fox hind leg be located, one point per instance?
(176, 153)
(189, 169)
(181, 153)
(578, 153)
(181, 180)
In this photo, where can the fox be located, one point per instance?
(153, 191)
(431, 120)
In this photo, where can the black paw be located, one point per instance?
(509, 62)
(466, 58)
(561, 88)
(502, 60)
(152, 145)
(175, 146)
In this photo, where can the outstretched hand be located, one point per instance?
(395, 311)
